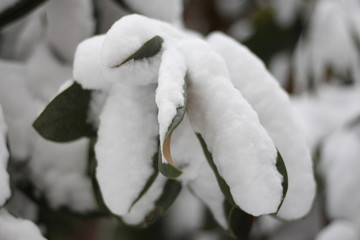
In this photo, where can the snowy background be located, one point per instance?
(311, 48)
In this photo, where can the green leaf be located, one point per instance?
(171, 191)
(239, 222)
(65, 117)
(18, 10)
(149, 49)
(169, 169)
(280, 165)
(149, 182)
(222, 183)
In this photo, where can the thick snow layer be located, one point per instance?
(20, 108)
(166, 10)
(243, 152)
(58, 171)
(185, 216)
(207, 189)
(146, 204)
(87, 63)
(322, 113)
(170, 90)
(12, 228)
(4, 155)
(127, 142)
(44, 74)
(273, 107)
(124, 38)
(69, 22)
(339, 229)
(340, 167)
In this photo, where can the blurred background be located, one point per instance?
(312, 47)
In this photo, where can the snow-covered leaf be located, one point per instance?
(171, 98)
(275, 113)
(149, 49)
(65, 117)
(127, 143)
(242, 151)
(16, 10)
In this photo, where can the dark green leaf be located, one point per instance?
(171, 191)
(65, 117)
(280, 165)
(18, 10)
(169, 169)
(124, 5)
(222, 184)
(239, 222)
(149, 49)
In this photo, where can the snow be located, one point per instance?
(329, 109)
(133, 31)
(146, 204)
(339, 229)
(12, 228)
(44, 74)
(20, 109)
(127, 142)
(97, 102)
(66, 31)
(235, 138)
(87, 63)
(273, 107)
(185, 216)
(155, 9)
(7, 3)
(4, 155)
(331, 41)
(280, 67)
(286, 11)
(31, 33)
(170, 91)
(207, 189)
(340, 169)
(58, 171)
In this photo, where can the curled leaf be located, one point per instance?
(171, 99)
